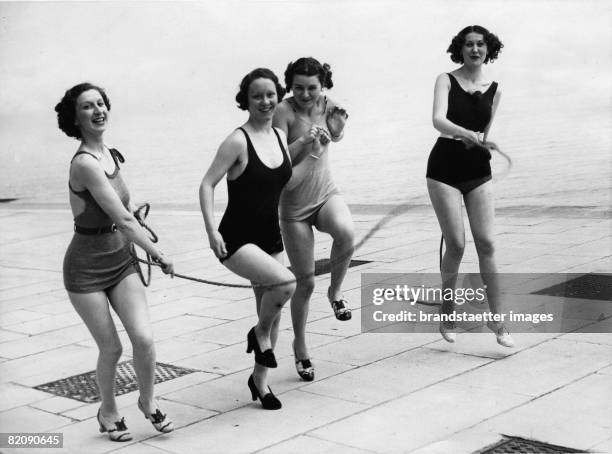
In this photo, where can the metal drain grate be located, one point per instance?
(516, 445)
(83, 387)
(588, 286)
(322, 266)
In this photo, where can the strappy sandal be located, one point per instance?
(341, 310)
(304, 367)
(118, 432)
(160, 421)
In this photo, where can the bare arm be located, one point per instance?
(298, 149)
(440, 108)
(336, 120)
(496, 99)
(88, 173)
(230, 154)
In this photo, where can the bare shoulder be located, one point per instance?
(284, 109)
(234, 145)
(443, 79)
(85, 163)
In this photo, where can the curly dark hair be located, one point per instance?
(308, 66)
(66, 108)
(494, 45)
(242, 97)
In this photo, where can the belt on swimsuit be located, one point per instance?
(95, 230)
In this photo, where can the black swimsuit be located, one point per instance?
(450, 161)
(251, 215)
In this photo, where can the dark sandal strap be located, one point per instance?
(341, 310)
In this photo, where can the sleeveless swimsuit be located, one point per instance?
(251, 215)
(450, 161)
(97, 262)
(302, 200)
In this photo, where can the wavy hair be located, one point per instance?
(494, 45)
(66, 108)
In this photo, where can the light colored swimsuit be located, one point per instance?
(308, 190)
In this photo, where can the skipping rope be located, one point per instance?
(142, 212)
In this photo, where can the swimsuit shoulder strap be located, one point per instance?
(280, 144)
(250, 148)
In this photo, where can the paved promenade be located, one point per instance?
(373, 392)
(172, 79)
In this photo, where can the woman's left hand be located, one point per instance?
(336, 119)
(324, 137)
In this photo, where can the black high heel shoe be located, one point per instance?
(269, 401)
(266, 358)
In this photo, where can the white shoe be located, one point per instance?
(447, 334)
(501, 333)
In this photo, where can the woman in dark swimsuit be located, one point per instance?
(98, 267)
(465, 102)
(248, 239)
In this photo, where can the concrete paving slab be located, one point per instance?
(370, 347)
(570, 416)
(415, 420)
(56, 404)
(7, 336)
(465, 442)
(528, 373)
(38, 421)
(20, 316)
(485, 345)
(403, 374)
(48, 323)
(47, 366)
(13, 395)
(139, 448)
(250, 428)
(181, 324)
(313, 445)
(175, 348)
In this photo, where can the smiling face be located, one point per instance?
(262, 98)
(474, 50)
(91, 113)
(306, 90)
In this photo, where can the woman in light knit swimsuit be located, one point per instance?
(99, 270)
(311, 120)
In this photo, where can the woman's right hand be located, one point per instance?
(311, 136)
(217, 244)
(470, 138)
(167, 265)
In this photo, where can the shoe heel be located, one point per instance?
(253, 388)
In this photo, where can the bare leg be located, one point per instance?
(481, 214)
(129, 301)
(446, 201)
(335, 219)
(299, 245)
(93, 309)
(259, 267)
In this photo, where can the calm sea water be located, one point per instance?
(172, 69)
